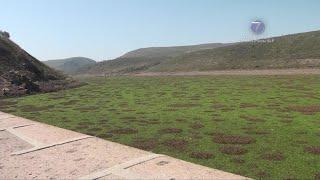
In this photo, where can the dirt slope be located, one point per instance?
(21, 73)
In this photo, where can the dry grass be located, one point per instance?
(307, 110)
(145, 144)
(275, 156)
(313, 150)
(170, 131)
(233, 139)
(248, 105)
(178, 144)
(196, 125)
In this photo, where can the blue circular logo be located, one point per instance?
(258, 27)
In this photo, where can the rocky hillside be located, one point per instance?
(20, 73)
(70, 65)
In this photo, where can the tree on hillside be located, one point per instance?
(4, 34)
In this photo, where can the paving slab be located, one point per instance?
(10, 143)
(53, 134)
(14, 122)
(55, 153)
(171, 168)
(5, 115)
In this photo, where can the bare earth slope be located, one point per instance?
(20, 73)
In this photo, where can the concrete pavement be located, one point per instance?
(32, 150)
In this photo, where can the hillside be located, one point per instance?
(143, 59)
(155, 52)
(70, 65)
(290, 51)
(20, 73)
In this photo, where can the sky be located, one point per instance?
(106, 29)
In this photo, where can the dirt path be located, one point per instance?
(236, 72)
(32, 150)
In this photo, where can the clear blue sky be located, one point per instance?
(105, 29)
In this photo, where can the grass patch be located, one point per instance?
(170, 131)
(233, 150)
(245, 122)
(124, 131)
(201, 155)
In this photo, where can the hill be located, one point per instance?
(155, 52)
(20, 73)
(290, 51)
(143, 59)
(70, 65)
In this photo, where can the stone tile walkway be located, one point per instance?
(32, 150)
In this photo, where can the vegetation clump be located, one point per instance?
(170, 131)
(145, 144)
(233, 139)
(178, 144)
(307, 110)
(312, 150)
(275, 156)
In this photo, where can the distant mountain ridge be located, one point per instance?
(70, 65)
(290, 51)
(144, 58)
(169, 51)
